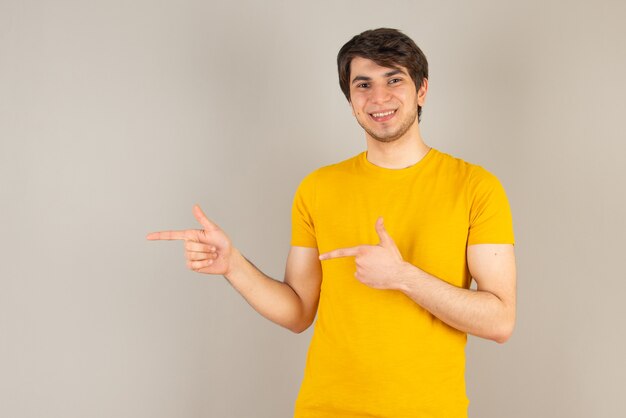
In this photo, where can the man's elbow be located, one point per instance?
(299, 328)
(502, 338)
(301, 323)
(504, 331)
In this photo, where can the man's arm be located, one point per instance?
(488, 312)
(291, 303)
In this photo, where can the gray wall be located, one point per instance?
(117, 116)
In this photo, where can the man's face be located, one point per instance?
(384, 100)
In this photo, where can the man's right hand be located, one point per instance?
(207, 250)
(291, 303)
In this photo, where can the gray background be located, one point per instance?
(117, 116)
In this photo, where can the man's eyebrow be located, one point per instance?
(360, 78)
(393, 72)
(387, 74)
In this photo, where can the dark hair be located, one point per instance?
(388, 48)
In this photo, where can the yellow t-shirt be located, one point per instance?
(377, 353)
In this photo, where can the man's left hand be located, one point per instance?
(378, 266)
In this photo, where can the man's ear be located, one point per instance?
(421, 92)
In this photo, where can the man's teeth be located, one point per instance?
(380, 115)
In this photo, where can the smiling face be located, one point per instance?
(384, 100)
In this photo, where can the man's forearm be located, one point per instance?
(273, 299)
(478, 313)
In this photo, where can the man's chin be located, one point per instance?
(384, 138)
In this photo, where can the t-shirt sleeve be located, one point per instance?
(302, 225)
(490, 214)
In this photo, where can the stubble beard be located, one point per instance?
(391, 136)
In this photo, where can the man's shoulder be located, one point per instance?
(348, 164)
(334, 169)
(328, 174)
(460, 167)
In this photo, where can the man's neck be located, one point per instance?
(401, 153)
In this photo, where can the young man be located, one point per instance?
(397, 233)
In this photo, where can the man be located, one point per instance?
(384, 248)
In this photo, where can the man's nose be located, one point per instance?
(380, 94)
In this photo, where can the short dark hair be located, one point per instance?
(388, 48)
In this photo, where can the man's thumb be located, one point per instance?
(206, 223)
(385, 238)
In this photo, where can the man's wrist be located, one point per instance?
(407, 277)
(235, 264)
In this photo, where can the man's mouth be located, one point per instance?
(383, 116)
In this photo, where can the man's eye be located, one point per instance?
(394, 80)
(362, 85)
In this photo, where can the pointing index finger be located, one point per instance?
(166, 235)
(340, 252)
